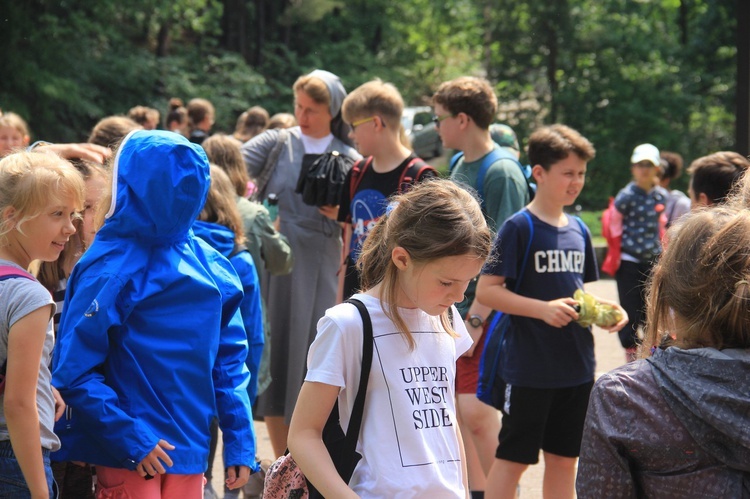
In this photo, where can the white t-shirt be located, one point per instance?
(408, 439)
(316, 146)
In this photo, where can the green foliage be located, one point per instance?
(593, 220)
(221, 77)
(621, 72)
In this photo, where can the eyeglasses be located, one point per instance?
(437, 119)
(355, 124)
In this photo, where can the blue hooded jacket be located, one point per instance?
(151, 344)
(222, 240)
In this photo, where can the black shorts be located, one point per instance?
(550, 419)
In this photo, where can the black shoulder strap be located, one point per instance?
(355, 421)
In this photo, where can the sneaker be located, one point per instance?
(209, 492)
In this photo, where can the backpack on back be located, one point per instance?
(409, 176)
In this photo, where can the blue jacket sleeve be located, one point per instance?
(252, 317)
(93, 311)
(231, 376)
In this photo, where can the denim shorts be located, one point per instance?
(12, 483)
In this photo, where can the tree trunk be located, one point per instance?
(683, 23)
(552, 45)
(260, 33)
(162, 40)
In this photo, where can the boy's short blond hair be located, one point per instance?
(374, 98)
(471, 96)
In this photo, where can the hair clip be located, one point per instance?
(391, 206)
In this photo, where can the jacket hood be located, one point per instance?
(159, 184)
(217, 236)
(708, 391)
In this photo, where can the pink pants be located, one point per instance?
(119, 483)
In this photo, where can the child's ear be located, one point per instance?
(400, 257)
(537, 171)
(26, 140)
(8, 214)
(703, 200)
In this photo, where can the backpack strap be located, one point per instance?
(498, 315)
(8, 272)
(261, 181)
(413, 173)
(454, 161)
(582, 225)
(358, 170)
(496, 154)
(355, 421)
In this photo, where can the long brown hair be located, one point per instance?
(220, 207)
(434, 219)
(699, 293)
(224, 152)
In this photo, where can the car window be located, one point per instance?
(422, 118)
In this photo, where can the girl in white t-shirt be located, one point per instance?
(415, 264)
(41, 195)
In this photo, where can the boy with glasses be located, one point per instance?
(464, 110)
(374, 112)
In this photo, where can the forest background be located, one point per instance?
(622, 72)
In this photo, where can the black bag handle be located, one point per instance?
(355, 421)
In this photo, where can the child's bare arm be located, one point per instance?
(491, 291)
(314, 405)
(25, 345)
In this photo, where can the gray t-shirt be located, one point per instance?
(18, 298)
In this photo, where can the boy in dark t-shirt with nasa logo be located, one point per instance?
(547, 361)
(374, 112)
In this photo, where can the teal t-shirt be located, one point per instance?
(505, 193)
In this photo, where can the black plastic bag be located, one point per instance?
(321, 179)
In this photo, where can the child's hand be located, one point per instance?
(329, 211)
(151, 464)
(235, 480)
(89, 152)
(623, 321)
(59, 404)
(559, 313)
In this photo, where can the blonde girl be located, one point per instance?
(14, 133)
(40, 197)
(416, 263)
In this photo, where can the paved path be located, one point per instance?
(609, 354)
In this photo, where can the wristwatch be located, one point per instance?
(475, 320)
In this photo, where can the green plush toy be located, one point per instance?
(590, 311)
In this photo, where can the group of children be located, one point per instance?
(163, 327)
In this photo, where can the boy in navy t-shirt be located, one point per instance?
(548, 359)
